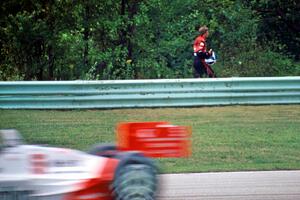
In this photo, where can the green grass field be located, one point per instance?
(230, 138)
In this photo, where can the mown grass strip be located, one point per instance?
(230, 138)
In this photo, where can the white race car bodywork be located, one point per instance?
(47, 172)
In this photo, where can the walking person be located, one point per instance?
(200, 54)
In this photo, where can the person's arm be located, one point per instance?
(202, 54)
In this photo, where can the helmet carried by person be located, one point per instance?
(212, 59)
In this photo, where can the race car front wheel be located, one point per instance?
(135, 181)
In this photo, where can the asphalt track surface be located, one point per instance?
(267, 185)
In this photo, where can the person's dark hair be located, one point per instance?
(202, 30)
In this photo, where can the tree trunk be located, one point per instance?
(122, 34)
(132, 10)
(50, 62)
(86, 35)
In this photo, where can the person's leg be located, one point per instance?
(197, 67)
(204, 70)
(210, 72)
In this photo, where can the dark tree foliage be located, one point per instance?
(280, 23)
(145, 39)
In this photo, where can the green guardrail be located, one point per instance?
(148, 93)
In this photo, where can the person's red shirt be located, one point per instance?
(199, 44)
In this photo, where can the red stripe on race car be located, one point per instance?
(97, 188)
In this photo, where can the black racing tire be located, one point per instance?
(104, 150)
(135, 179)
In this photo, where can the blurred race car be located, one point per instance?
(123, 171)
